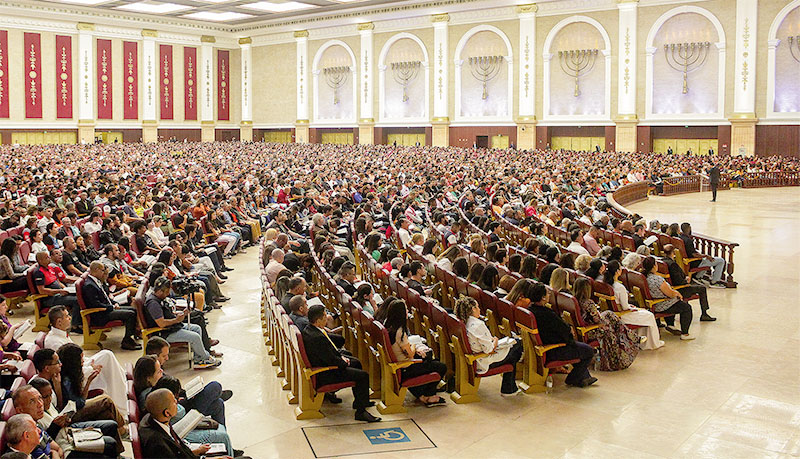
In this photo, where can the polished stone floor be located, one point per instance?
(733, 392)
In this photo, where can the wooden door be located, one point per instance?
(500, 141)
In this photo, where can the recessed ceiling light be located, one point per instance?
(212, 16)
(154, 7)
(278, 7)
(85, 2)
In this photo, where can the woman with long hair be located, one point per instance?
(9, 269)
(559, 281)
(475, 272)
(395, 324)
(519, 294)
(489, 278)
(644, 319)
(481, 340)
(445, 259)
(75, 388)
(619, 345)
(365, 297)
(528, 268)
(673, 300)
(461, 267)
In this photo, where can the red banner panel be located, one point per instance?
(104, 91)
(190, 83)
(33, 75)
(3, 74)
(63, 76)
(223, 85)
(165, 74)
(130, 54)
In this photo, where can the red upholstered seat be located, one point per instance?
(496, 370)
(335, 387)
(113, 323)
(420, 380)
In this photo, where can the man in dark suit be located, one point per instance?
(158, 438)
(95, 296)
(713, 176)
(322, 352)
(84, 206)
(347, 276)
(553, 330)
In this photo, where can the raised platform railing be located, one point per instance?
(770, 179)
(708, 245)
(682, 184)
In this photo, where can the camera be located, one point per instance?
(184, 286)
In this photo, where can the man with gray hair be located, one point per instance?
(24, 437)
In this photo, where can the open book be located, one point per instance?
(22, 329)
(650, 240)
(69, 409)
(217, 449)
(314, 301)
(122, 298)
(194, 387)
(505, 342)
(70, 289)
(15, 363)
(188, 423)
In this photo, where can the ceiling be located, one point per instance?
(223, 12)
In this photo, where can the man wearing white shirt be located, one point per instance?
(403, 233)
(112, 376)
(575, 245)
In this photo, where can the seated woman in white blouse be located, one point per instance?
(641, 317)
(481, 340)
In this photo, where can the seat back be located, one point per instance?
(25, 251)
(136, 444)
(8, 410)
(27, 370)
(567, 304)
(79, 290)
(525, 318)
(506, 310)
(40, 339)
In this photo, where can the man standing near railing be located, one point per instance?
(713, 175)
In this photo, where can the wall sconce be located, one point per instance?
(404, 73)
(484, 69)
(336, 77)
(577, 63)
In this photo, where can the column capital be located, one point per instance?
(207, 39)
(85, 27)
(149, 33)
(366, 26)
(246, 41)
(627, 4)
(439, 18)
(528, 9)
(301, 34)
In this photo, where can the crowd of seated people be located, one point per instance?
(157, 223)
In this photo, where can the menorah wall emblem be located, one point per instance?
(404, 73)
(577, 63)
(686, 57)
(336, 77)
(794, 47)
(484, 69)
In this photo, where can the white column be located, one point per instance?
(247, 86)
(626, 90)
(149, 76)
(527, 64)
(301, 38)
(86, 76)
(744, 96)
(206, 77)
(365, 71)
(440, 67)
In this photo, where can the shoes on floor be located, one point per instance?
(719, 284)
(707, 318)
(215, 354)
(672, 330)
(330, 397)
(364, 415)
(511, 394)
(207, 364)
(130, 345)
(213, 342)
(370, 404)
(226, 395)
(687, 337)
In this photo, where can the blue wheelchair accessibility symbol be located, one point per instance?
(384, 436)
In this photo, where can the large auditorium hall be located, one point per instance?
(399, 228)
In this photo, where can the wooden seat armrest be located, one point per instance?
(605, 297)
(37, 296)
(5, 281)
(150, 331)
(689, 260)
(395, 366)
(621, 313)
(589, 328)
(471, 358)
(88, 312)
(540, 350)
(676, 287)
(309, 372)
(664, 275)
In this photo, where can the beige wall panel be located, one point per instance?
(767, 12)
(352, 41)
(724, 10)
(379, 40)
(455, 32)
(275, 84)
(544, 24)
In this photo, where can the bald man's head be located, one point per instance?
(98, 270)
(43, 258)
(161, 405)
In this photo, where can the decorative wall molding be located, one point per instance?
(772, 43)
(382, 66)
(650, 52)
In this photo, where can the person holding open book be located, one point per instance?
(501, 352)
(209, 399)
(96, 295)
(8, 341)
(158, 437)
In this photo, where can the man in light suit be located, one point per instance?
(95, 296)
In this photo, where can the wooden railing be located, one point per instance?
(682, 184)
(770, 179)
(708, 245)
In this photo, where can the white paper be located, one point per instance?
(22, 329)
(70, 289)
(194, 387)
(650, 240)
(69, 408)
(217, 449)
(188, 423)
(314, 301)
